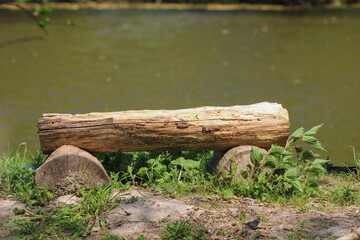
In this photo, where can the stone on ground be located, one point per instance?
(140, 211)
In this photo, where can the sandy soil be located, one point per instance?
(145, 213)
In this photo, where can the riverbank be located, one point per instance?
(208, 216)
(167, 195)
(176, 6)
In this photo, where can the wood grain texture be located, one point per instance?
(203, 128)
(240, 157)
(70, 160)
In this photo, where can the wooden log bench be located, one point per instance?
(69, 138)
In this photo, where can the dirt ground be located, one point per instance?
(146, 213)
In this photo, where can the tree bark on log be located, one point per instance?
(203, 128)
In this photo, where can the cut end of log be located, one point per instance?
(71, 163)
(222, 162)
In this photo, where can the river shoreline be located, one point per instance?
(176, 6)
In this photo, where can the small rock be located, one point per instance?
(253, 224)
(19, 211)
(7, 206)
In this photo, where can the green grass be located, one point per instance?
(357, 163)
(183, 230)
(175, 174)
(72, 220)
(11, 162)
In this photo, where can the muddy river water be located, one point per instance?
(136, 59)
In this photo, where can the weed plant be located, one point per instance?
(170, 172)
(342, 189)
(357, 163)
(286, 171)
(289, 174)
(18, 176)
(23, 186)
(71, 221)
(10, 163)
(38, 221)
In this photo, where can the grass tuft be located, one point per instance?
(183, 230)
(291, 175)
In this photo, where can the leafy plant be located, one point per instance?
(10, 162)
(18, 176)
(171, 172)
(76, 220)
(13, 160)
(51, 222)
(25, 190)
(285, 170)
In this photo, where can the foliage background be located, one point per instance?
(278, 2)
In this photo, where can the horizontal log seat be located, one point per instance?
(202, 128)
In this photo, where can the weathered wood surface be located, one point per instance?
(222, 161)
(71, 161)
(203, 128)
(354, 235)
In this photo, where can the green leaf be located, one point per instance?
(270, 161)
(186, 164)
(229, 194)
(169, 187)
(312, 183)
(320, 161)
(142, 171)
(268, 171)
(286, 163)
(278, 150)
(261, 177)
(308, 155)
(159, 168)
(151, 162)
(287, 186)
(313, 130)
(313, 141)
(158, 188)
(291, 173)
(288, 159)
(256, 155)
(316, 166)
(297, 134)
(129, 169)
(296, 183)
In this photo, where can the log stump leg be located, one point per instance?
(71, 162)
(213, 164)
(221, 161)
